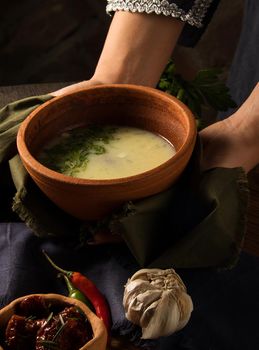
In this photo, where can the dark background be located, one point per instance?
(44, 41)
(50, 40)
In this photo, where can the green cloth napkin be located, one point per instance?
(198, 222)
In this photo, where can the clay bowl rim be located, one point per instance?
(48, 173)
(98, 327)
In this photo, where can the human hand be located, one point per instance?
(75, 87)
(234, 142)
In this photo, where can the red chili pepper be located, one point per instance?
(89, 289)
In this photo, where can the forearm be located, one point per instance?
(137, 48)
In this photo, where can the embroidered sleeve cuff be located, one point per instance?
(193, 14)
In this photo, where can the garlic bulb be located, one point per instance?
(157, 301)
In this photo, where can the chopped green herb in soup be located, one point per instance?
(106, 152)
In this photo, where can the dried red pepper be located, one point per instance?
(89, 289)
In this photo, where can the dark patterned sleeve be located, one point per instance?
(195, 13)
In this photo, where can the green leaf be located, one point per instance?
(206, 89)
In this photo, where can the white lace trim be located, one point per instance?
(194, 16)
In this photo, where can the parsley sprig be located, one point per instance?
(71, 152)
(206, 89)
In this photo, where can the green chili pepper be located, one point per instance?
(89, 290)
(76, 294)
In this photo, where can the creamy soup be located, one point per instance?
(106, 152)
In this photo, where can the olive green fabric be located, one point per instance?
(198, 222)
(11, 117)
(191, 226)
(31, 205)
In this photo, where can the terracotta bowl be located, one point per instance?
(99, 340)
(128, 105)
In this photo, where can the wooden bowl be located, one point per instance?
(99, 340)
(128, 105)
